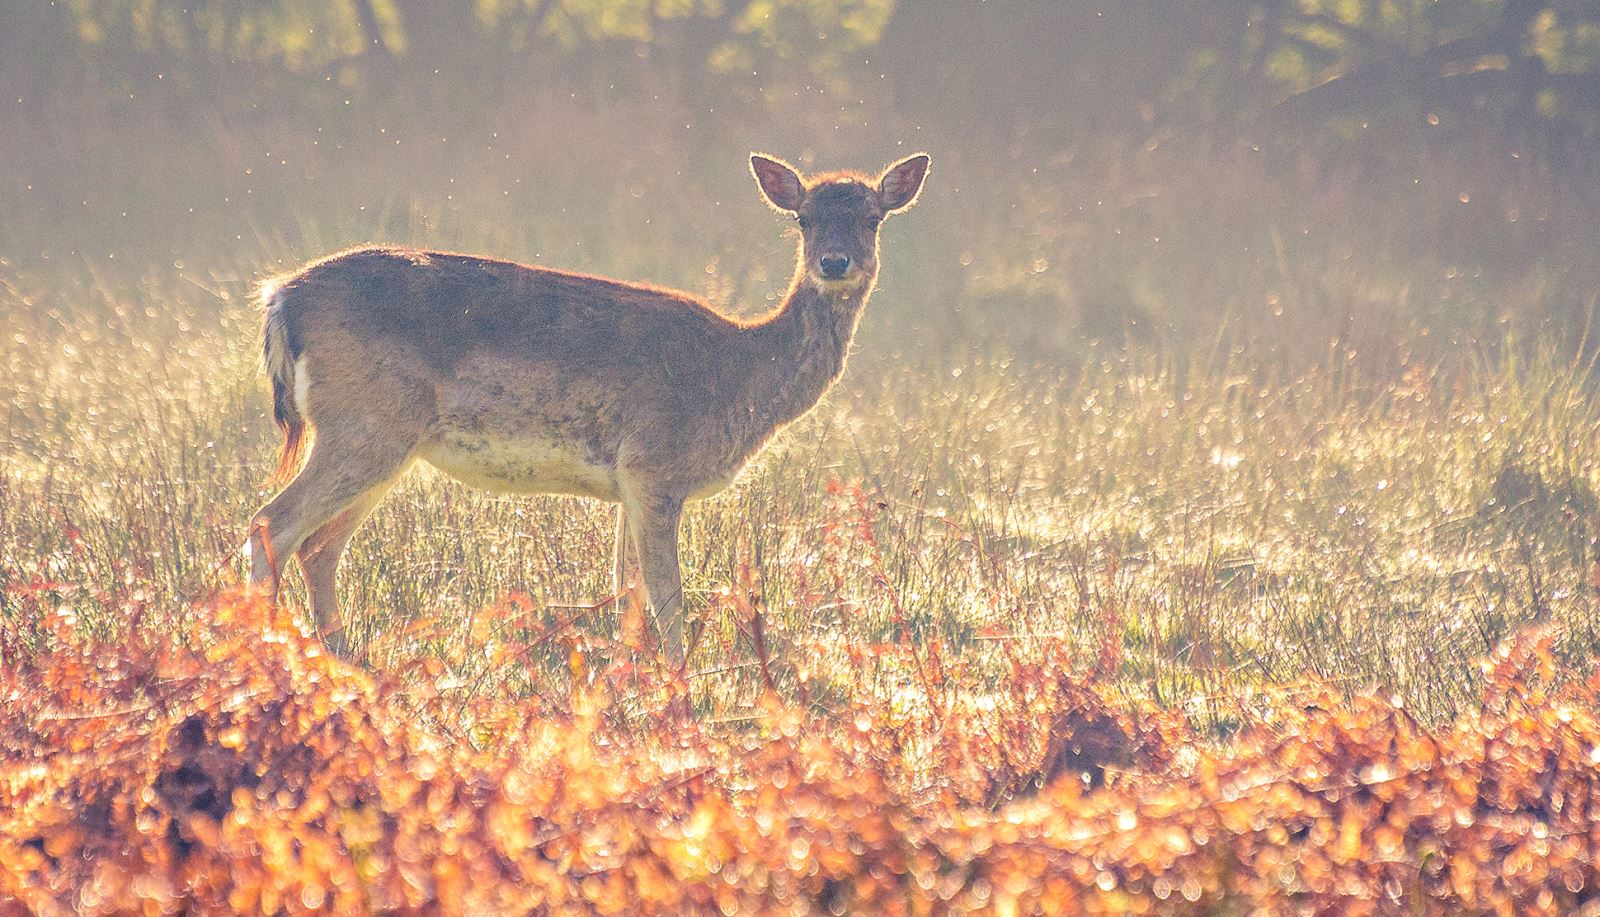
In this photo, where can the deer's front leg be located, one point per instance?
(626, 583)
(653, 521)
(625, 564)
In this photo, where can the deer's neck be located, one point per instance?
(800, 350)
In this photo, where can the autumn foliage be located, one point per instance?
(236, 767)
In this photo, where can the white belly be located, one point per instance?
(716, 485)
(530, 465)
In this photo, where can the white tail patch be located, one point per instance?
(276, 354)
(302, 385)
(267, 290)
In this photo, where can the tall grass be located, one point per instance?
(1196, 533)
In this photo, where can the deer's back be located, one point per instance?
(445, 306)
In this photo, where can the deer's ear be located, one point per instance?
(902, 182)
(779, 182)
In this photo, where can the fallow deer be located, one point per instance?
(530, 380)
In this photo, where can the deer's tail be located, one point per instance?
(282, 367)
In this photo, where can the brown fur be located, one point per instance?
(290, 452)
(275, 350)
(526, 379)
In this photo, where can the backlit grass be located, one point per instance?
(1195, 533)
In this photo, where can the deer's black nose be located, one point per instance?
(834, 266)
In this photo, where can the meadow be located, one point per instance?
(991, 633)
(1205, 523)
(1215, 532)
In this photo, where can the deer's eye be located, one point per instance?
(874, 222)
(805, 222)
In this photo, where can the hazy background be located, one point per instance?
(1304, 179)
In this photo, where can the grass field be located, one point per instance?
(1207, 523)
(1239, 600)
(1217, 532)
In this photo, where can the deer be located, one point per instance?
(524, 379)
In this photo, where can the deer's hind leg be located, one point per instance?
(319, 557)
(313, 518)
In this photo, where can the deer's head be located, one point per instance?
(839, 214)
